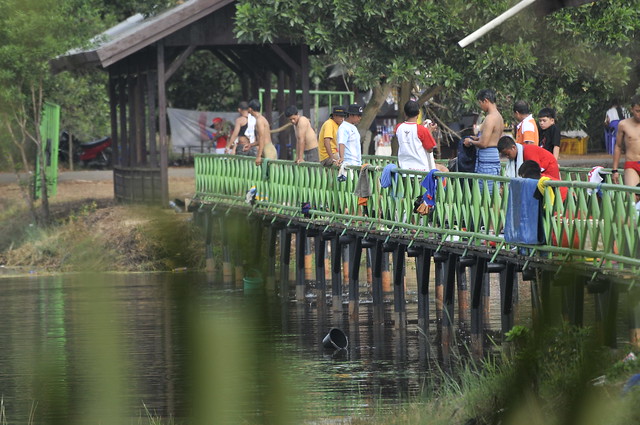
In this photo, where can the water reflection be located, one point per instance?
(108, 348)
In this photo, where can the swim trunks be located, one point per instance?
(634, 165)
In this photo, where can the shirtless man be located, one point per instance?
(629, 137)
(263, 134)
(306, 142)
(488, 158)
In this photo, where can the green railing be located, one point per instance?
(598, 231)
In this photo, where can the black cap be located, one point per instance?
(354, 109)
(339, 111)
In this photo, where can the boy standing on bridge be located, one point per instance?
(306, 142)
(328, 137)
(628, 138)
(263, 134)
(415, 142)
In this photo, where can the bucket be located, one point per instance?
(253, 281)
(335, 339)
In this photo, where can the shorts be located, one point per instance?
(270, 152)
(634, 165)
(312, 155)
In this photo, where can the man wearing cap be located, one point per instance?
(327, 138)
(306, 142)
(263, 134)
(349, 146)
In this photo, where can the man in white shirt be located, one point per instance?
(415, 142)
(348, 137)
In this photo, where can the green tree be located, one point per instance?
(31, 33)
(573, 59)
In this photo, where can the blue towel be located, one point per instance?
(521, 224)
(385, 178)
(430, 185)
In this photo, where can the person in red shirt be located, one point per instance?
(548, 163)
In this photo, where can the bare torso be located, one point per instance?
(491, 129)
(629, 132)
(304, 129)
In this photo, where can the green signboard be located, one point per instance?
(50, 135)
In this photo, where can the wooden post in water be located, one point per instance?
(423, 269)
(386, 274)
(606, 308)
(336, 274)
(478, 276)
(271, 258)
(321, 284)
(400, 307)
(355, 255)
(463, 290)
(438, 259)
(308, 260)
(285, 259)
(450, 267)
(209, 224)
(376, 282)
(227, 271)
(301, 239)
(573, 295)
(508, 286)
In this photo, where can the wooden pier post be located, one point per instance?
(355, 255)
(308, 259)
(478, 280)
(450, 266)
(377, 294)
(634, 318)
(227, 271)
(336, 274)
(508, 286)
(285, 259)
(272, 234)
(439, 258)
(463, 290)
(400, 307)
(321, 283)
(301, 242)
(423, 270)
(386, 274)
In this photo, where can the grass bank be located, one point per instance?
(98, 235)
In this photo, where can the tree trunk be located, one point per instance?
(70, 151)
(404, 96)
(380, 93)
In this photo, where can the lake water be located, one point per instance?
(129, 348)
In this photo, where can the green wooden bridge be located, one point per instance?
(591, 237)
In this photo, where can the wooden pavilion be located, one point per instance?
(141, 55)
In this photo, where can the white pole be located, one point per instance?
(494, 23)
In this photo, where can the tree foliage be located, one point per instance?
(574, 59)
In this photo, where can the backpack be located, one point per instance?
(466, 158)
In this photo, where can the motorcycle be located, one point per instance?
(94, 154)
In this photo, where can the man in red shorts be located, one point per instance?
(628, 138)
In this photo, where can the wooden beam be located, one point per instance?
(162, 124)
(179, 61)
(113, 112)
(226, 61)
(286, 58)
(306, 97)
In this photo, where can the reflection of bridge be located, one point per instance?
(592, 237)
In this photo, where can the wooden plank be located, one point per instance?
(152, 120)
(304, 74)
(124, 136)
(113, 112)
(179, 61)
(286, 58)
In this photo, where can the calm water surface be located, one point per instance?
(118, 348)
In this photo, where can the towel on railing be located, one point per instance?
(521, 224)
(265, 169)
(342, 173)
(430, 185)
(363, 188)
(387, 171)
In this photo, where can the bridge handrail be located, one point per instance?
(596, 224)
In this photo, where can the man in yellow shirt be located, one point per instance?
(327, 138)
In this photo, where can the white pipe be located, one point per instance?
(494, 23)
